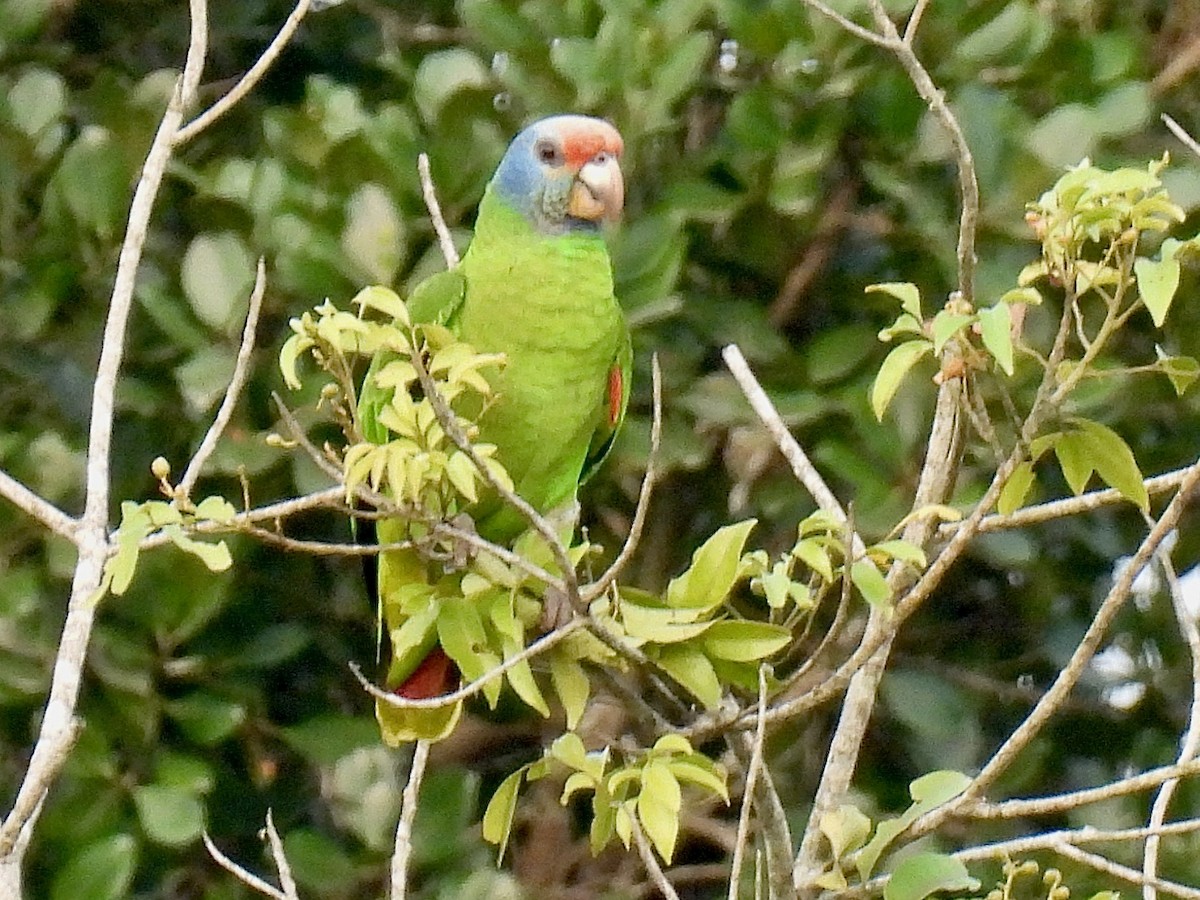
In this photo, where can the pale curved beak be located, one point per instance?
(599, 190)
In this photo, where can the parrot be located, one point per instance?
(536, 285)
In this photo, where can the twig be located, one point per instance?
(245, 876)
(541, 645)
(1125, 873)
(39, 508)
(408, 811)
(445, 241)
(286, 881)
(248, 81)
(805, 472)
(653, 869)
(752, 771)
(1069, 506)
(1179, 131)
(1055, 804)
(92, 533)
(241, 371)
(854, 28)
(594, 590)
(1190, 744)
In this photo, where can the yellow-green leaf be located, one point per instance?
(846, 828)
(384, 300)
(870, 582)
(995, 325)
(904, 291)
(744, 641)
(713, 570)
(1016, 489)
(946, 325)
(891, 373)
(1075, 459)
(693, 670)
(917, 876)
(1157, 282)
(498, 817)
(658, 806)
(571, 684)
(1114, 462)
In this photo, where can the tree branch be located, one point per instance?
(92, 535)
(37, 507)
(248, 81)
(408, 812)
(445, 241)
(241, 371)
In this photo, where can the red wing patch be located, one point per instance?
(436, 675)
(616, 392)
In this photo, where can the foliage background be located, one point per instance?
(775, 166)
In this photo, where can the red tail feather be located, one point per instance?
(616, 390)
(436, 675)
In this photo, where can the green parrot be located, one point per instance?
(535, 284)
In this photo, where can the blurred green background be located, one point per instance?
(775, 166)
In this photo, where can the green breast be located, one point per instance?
(548, 304)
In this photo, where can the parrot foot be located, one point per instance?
(556, 609)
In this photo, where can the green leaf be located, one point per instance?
(713, 571)
(444, 73)
(384, 300)
(744, 641)
(1073, 456)
(217, 273)
(102, 870)
(702, 772)
(995, 323)
(1016, 489)
(658, 806)
(93, 181)
(870, 582)
(693, 670)
(846, 828)
(206, 719)
(373, 239)
(946, 325)
(324, 739)
(216, 509)
(922, 874)
(571, 684)
(169, 815)
(1114, 462)
(498, 817)
(1182, 371)
(903, 551)
(904, 291)
(37, 100)
(935, 788)
(1157, 282)
(895, 366)
(215, 556)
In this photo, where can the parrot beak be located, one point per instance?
(598, 192)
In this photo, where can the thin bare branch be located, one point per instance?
(806, 473)
(1190, 745)
(408, 812)
(1055, 804)
(610, 575)
(237, 381)
(248, 81)
(92, 534)
(445, 241)
(914, 21)
(650, 861)
(1069, 506)
(752, 772)
(245, 876)
(43, 510)
(1125, 873)
(1179, 131)
(854, 28)
(286, 881)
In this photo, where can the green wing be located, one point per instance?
(616, 401)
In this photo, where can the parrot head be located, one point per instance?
(563, 173)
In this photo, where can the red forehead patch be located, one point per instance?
(584, 138)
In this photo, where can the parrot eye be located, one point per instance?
(548, 153)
